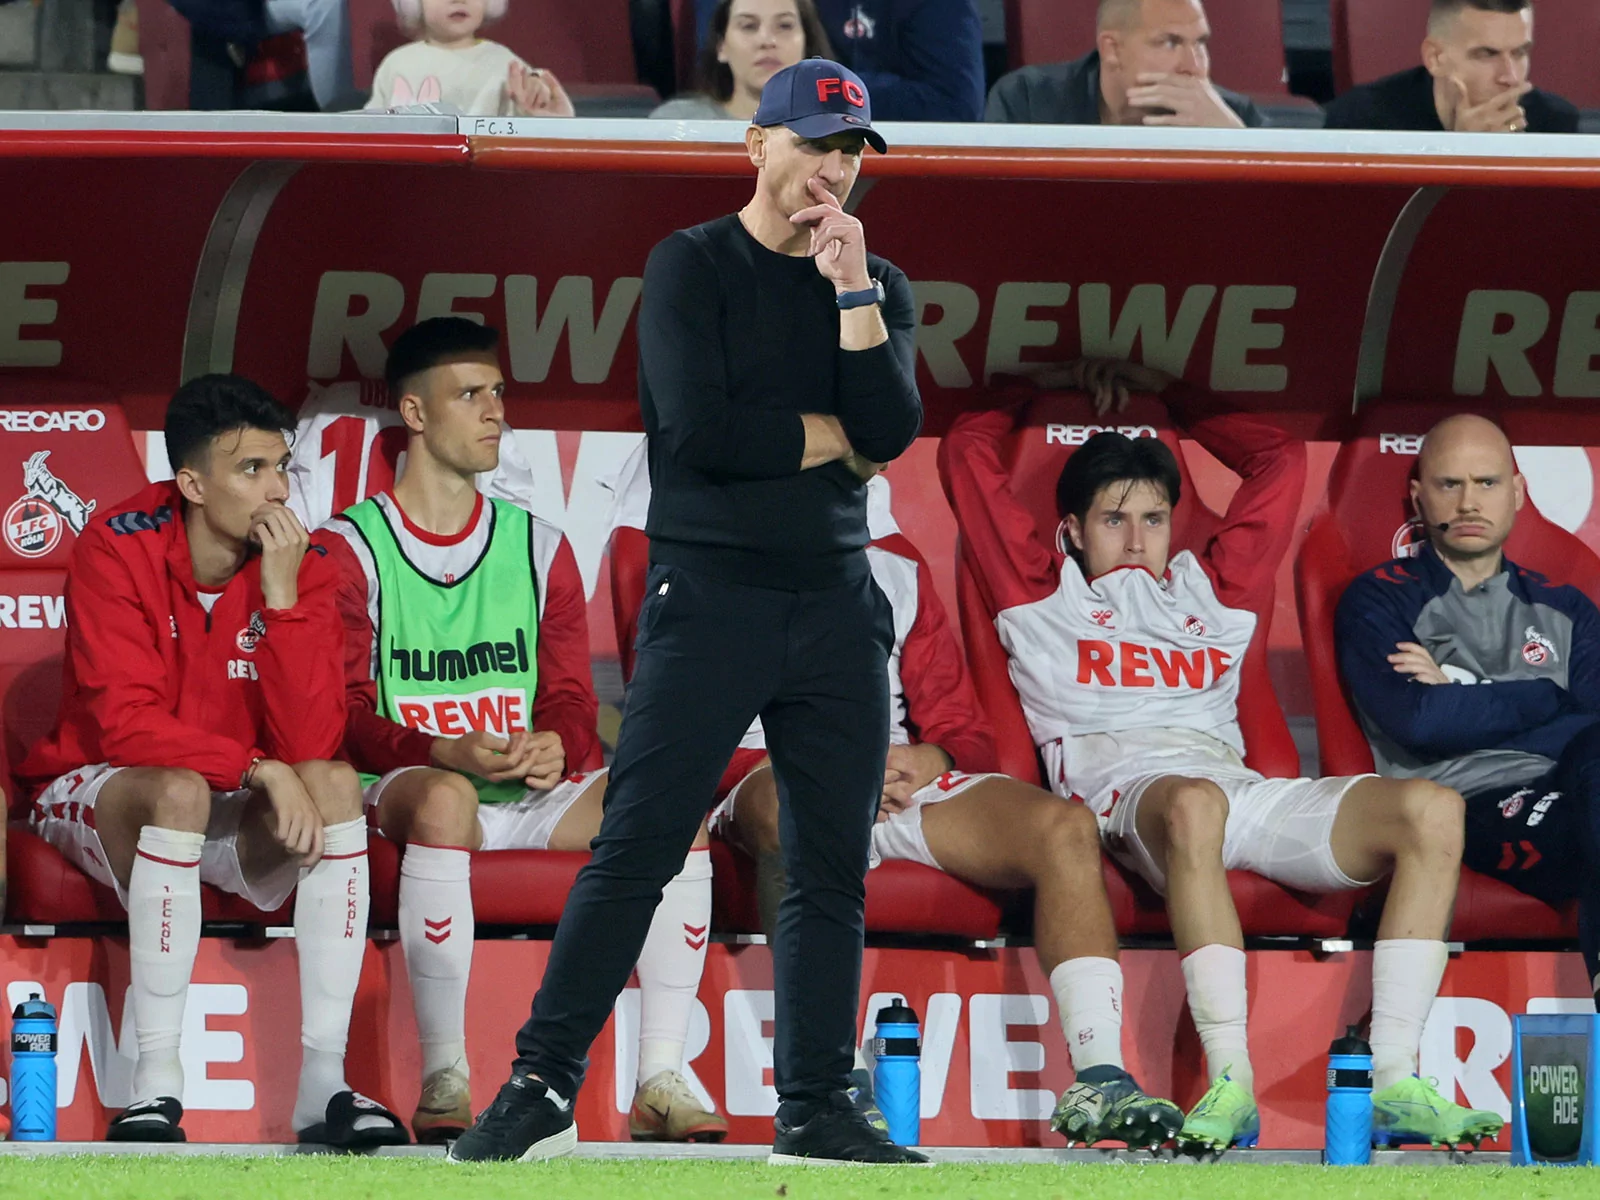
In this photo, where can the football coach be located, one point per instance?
(776, 372)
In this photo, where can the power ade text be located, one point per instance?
(1124, 664)
(481, 658)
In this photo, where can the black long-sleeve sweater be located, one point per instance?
(736, 341)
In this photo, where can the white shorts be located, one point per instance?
(63, 815)
(898, 836)
(1281, 829)
(524, 824)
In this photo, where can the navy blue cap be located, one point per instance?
(818, 98)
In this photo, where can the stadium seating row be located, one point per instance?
(1364, 521)
(604, 48)
(1371, 39)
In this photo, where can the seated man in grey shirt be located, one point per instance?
(1484, 676)
(1151, 66)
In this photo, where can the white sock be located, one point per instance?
(670, 964)
(1219, 1004)
(1405, 978)
(163, 939)
(436, 932)
(330, 936)
(1089, 1001)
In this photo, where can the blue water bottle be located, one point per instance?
(897, 1075)
(1348, 1136)
(33, 1071)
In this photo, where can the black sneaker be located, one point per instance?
(864, 1102)
(527, 1121)
(838, 1135)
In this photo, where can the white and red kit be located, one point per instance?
(564, 701)
(159, 673)
(931, 697)
(1128, 678)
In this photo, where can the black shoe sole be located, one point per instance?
(170, 1135)
(554, 1146)
(805, 1160)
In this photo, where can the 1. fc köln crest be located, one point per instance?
(35, 521)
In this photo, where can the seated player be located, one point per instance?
(1126, 659)
(944, 806)
(1413, 633)
(472, 710)
(201, 704)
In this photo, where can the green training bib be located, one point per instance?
(460, 656)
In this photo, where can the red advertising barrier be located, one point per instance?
(993, 1059)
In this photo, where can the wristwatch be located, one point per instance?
(871, 295)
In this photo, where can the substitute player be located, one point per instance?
(1413, 634)
(472, 709)
(201, 704)
(1126, 659)
(944, 806)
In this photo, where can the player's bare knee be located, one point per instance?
(1068, 835)
(757, 818)
(334, 787)
(1434, 818)
(1197, 813)
(181, 800)
(445, 814)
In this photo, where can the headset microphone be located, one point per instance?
(1442, 527)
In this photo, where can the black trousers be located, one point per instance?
(1540, 836)
(710, 657)
(1543, 838)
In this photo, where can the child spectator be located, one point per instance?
(749, 42)
(450, 64)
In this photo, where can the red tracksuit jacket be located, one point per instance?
(152, 680)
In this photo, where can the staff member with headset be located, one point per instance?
(776, 364)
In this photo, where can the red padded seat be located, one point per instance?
(69, 458)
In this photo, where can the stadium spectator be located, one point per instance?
(944, 805)
(1151, 65)
(776, 363)
(749, 42)
(1126, 659)
(1474, 78)
(1411, 636)
(325, 25)
(205, 755)
(449, 63)
(229, 40)
(921, 59)
(433, 564)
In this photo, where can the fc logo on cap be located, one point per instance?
(848, 88)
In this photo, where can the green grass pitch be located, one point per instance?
(307, 1178)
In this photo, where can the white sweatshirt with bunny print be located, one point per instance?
(473, 80)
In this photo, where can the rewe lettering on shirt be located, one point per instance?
(501, 711)
(1130, 665)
